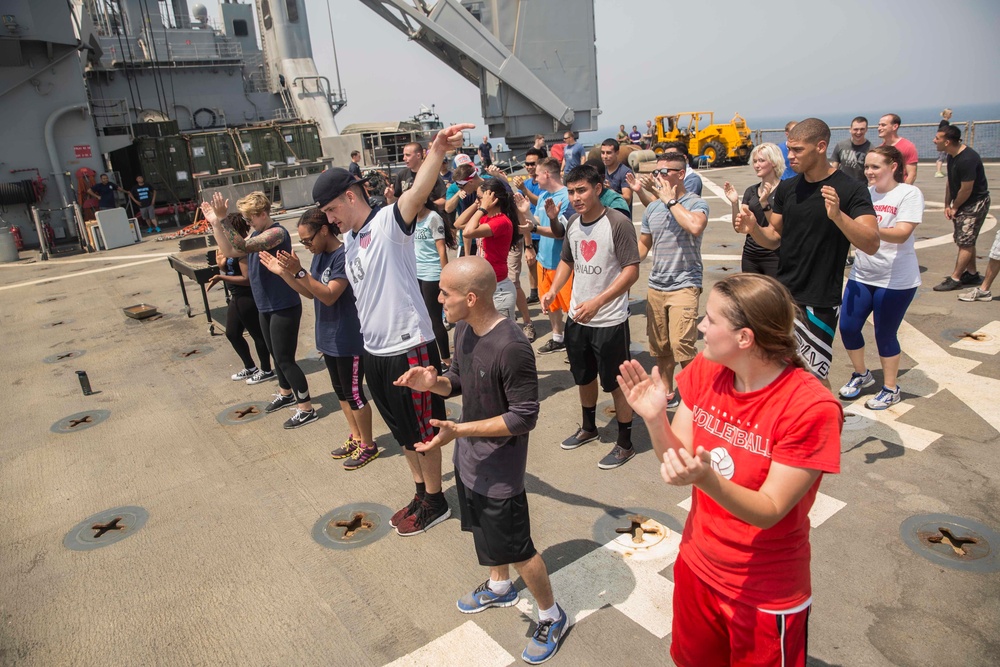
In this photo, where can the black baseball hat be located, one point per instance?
(331, 184)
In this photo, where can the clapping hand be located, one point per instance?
(681, 469)
(644, 392)
(289, 262)
(271, 263)
(745, 221)
(447, 431)
(522, 204)
(731, 194)
(551, 210)
(418, 378)
(217, 210)
(832, 201)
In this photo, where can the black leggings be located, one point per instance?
(429, 289)
(281, 333)
(766, 265)
(243, 316)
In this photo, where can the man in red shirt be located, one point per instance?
(888, 131)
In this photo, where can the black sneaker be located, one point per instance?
(261, 376)
(581, 437)
(552, 346)
(948, 284)
(971, 278)
(301, 418)
(532, 298)
(674, 402)
(279, 402)
(617, 457)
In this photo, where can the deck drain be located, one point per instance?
(606, 409)
(57, 323)
(723, 269)
(855, 422)
(192, 352)
(241, 414)
(105, 528)
(452, 411)
(63, 356)
(80, 421)
(952, 541)
(621, 525)
(956, 335)
(50, 299)
(352, 526)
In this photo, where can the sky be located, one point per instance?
(765, 59)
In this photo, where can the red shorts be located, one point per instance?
(712, 630)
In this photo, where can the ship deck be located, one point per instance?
(226, 570)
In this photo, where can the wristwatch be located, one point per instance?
(481, 210)
(301, 274)
(765, 208)
(672, 203)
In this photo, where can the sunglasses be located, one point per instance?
(530, 164)
(666, 171)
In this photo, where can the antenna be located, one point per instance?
(333, 42)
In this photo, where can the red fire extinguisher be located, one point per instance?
(15, 231)
(50, 235)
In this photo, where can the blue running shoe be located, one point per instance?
(545, 642)
(483, 598)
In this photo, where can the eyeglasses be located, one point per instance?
(530, 164)
(307, 242)
(666, 171)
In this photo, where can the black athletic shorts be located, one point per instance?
(594, 351)
(407, 413)
(500, 527)
(346, 375)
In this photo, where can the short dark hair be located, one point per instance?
(613, 143)
(462, 172)
(812, 130)
(671, 156)
(597, 164)
(355, 153)
(896, 120)
(675, 147)
(952, 134)
(420, 147)
(571, 133)
(859, 119)
(533, 152)
(584, 172)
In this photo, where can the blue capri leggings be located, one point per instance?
(888, 305)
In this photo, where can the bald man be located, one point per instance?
(494, 363)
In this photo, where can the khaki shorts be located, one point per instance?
(671, 323)
(995, 248)
(968, 220)
(514, 258)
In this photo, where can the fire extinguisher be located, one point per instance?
(15, 231)
(50, 235)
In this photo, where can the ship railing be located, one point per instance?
(212, 51)
(284, 114)
(982, 135)
(111, 112)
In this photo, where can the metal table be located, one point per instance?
(194, 264)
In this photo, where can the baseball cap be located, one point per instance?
(462, 158)
(331, 184)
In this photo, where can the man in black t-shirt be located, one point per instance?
(413, 157)
(354, 168)
(495, 364)
(816, 216)
(942, 156)
(486, 153)
(966, 203)
(105, 193)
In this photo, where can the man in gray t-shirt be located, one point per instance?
(495, 364)
(672, 229)
(849, 154)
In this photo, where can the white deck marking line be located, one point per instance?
(631, 584)
(468, 644)
(823, 508)
(984, 347)
(28, 283)
(60, 262)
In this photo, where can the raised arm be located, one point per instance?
(411, 201)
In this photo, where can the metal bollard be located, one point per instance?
(84, 382)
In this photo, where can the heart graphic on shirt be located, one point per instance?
(588, 249)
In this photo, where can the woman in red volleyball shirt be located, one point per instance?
(753, 436)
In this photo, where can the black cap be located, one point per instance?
(331, 184)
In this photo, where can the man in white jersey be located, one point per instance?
(381, 267)
(602, 254)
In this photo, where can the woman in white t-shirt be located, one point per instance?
(882, 284)
(432, 238)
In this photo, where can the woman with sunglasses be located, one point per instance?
(754, 436)
(768, 164)
(491, 219)
(883, 284)
(280, 306)
(242, 313)
(338, 328)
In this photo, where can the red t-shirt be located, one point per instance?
(794, 421)
(496, 247)
(909, 151)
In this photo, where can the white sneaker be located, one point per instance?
(857, 382)
(976, 294)
(244, 374)
(883, 399)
